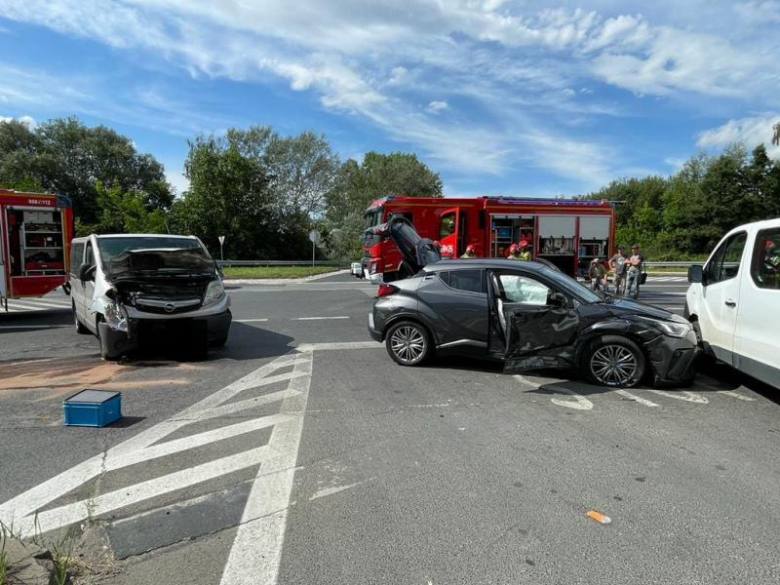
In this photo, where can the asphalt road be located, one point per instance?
(301, 453)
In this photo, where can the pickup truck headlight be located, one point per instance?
(214, 292)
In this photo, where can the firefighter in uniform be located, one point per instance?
(469, 253)
(514, 252)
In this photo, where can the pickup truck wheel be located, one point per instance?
(408, 343)
(614, 361)
(80, 329)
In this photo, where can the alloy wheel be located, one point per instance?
(613, 365)
(408, 344)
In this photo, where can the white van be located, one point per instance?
(128, 288)
(734, 300)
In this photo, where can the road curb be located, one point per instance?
(285, 280)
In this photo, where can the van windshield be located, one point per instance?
(113, 247)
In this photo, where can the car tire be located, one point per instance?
(614, 361)
(408, 343)
(80, 328)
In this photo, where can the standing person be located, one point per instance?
(598, 276)
(470, 252)
(618, 264)
(635, 264)
(525, 253)
(514, 253)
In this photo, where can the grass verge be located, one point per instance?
(260, 272)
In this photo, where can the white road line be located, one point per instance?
(579, 402)
(257, 548)
(32, 326)
(249, 320)
(685, 396)
(19, 510)
(38, 304)
(304, 347)
(133, 494)
(736, 395)
(13, 306)
(635, 398)
(317, 318)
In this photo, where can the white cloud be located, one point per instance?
(28, 121)
(516, 67)
(759, 12)
(751, 131)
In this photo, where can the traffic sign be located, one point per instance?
(314, 236)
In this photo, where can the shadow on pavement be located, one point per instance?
(34, 320)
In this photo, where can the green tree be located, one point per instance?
(357, 184)
(67, 156)
(125, 212)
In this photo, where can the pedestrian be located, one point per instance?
(470, 252)
(636, 263)
(514, 252)
(618, 264)
(598, 275)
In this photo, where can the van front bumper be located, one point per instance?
(185, 333)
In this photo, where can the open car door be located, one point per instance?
(537, 325)
(417, 251)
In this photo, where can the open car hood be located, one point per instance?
(417, 252)
(160, 263)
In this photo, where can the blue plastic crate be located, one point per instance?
(92, 408)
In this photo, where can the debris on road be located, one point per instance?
(598, 517)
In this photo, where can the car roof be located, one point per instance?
(107, 236)
(463, 263)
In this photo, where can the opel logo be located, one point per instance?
(170, 308)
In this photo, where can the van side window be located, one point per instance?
(76, 258)
(724, 264)
(765, 267)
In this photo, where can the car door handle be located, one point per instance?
(731, 304)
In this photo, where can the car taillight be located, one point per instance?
(386, 289)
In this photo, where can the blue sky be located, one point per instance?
(500, 97)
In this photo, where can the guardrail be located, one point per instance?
(675, 263)
(336, 263)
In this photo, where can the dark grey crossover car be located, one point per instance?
(527, 314)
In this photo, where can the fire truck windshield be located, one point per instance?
(373, 217)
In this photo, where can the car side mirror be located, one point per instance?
(86, 272)
(559, 300)
(696, 274)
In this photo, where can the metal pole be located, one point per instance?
(313, 246)
(221, 252)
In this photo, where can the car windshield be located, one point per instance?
(571, 286)
(373, 217)
(113, 247)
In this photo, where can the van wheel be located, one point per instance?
(80, 329)
(408, 343)
(614, 361)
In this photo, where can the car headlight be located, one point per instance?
(115, 316)
(677, 327)
(214, 292)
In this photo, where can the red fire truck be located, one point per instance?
(568, 233)
(35, 234)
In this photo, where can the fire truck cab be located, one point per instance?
(564, 232)
(35, 234)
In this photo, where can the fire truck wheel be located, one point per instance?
(79, 325)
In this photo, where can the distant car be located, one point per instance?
(356, 269)
(528, 315)
(130, 288)
(734, 300)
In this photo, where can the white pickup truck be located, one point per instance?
(734, 300)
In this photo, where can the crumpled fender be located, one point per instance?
(625, 327)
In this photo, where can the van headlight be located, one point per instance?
(214, 292)
(115, 316)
